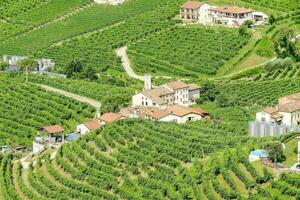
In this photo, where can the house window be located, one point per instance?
(146, 103)
(142, 103)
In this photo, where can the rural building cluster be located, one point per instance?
(282, 118)
(231, 16)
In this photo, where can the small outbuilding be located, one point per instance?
(109, 117)
(88, 126)
(54, 133)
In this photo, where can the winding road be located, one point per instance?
(122, 53)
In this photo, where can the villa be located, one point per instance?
(231, 16)
(88, 126)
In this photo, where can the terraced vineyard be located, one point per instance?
(260, 92)
(145, 160)
(27, 107)
(191, 49)
(21, 16)
(97, 50)
(93, 18)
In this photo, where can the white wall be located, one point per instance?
(181, 96)
(82, 129)
(204, 17)
(287, 118)
(261, 115)
(184, 119)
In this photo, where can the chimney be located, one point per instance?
(147, 82)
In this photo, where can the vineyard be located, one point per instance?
(97, 50)
(93, 18)
(147, 160)
(27, 107)
(20, 16)
(191, 48)
(260, 92)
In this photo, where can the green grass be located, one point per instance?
(290, 153)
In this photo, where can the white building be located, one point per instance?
(287, 111)
(230, 16)
(173, 93)
(195, 11)
(88, 126)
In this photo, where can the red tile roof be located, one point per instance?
(110, 117)
(181, 111)
(176, 85)
(53, 129)
(194, 86)
(192, 5)
(233, 10)
(92, 125)
(269, 110)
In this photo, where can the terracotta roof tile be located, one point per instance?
(233, 10)
(110, 117)
(182, 110)
(92, 125)
(289, 107)
(53, 129)
(176, 85)
(156, 93)
(194, 86)
(192, 5)
(269, 110)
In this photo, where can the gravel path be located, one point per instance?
(121, 52)
(92, 102)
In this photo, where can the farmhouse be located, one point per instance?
(88, 126)
(230, 16)
(195, 11)
(174, 113)
(172, 93)
(287, 111)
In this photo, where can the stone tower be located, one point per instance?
(147, 82)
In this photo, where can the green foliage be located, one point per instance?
(275, 151)
(196, 49)
(284, 43)
(208, 92)
(265, 48)
(3, 65)
(259, 92)
(27, 64)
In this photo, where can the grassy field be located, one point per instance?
(290, 152)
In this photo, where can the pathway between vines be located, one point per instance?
(121, 52)
(92, 102)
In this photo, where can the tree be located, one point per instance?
(208, 92)
(73, 68)
(275, 151)
(3, 65)
(26, 65)
(272, 19)
(90, 74)
(284, 43)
